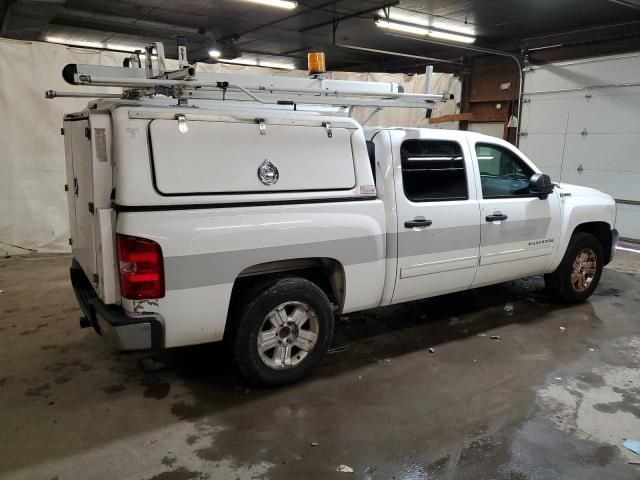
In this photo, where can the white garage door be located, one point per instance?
(581, 124)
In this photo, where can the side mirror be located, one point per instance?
(541, 185)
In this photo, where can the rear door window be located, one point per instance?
(433, 170)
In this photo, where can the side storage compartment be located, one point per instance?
(81, 189)
(71, 186)
(91, 218)
(215, 157)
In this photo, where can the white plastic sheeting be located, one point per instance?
(33, 207)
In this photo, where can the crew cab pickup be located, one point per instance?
(256, 225)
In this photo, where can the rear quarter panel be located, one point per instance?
(206, 249)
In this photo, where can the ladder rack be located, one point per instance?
(186, 83)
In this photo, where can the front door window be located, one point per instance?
(502, 173)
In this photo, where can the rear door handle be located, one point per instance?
(496, 217)
(417, 223)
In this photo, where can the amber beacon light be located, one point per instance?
(315, 61)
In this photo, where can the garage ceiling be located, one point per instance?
(273, 36)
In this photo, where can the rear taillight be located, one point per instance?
(141, 271)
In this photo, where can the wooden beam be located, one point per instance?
(457, 117)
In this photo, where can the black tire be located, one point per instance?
(250, 314)
(559, 282)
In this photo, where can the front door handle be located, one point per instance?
(417, 222)
(496, 217)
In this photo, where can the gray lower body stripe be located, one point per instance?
(192, 271)
(435, 240)
(439, 240)
(511, 232)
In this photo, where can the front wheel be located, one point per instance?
(283, 330)
(578, 274)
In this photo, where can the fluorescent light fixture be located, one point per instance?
(422, 25)
(124, 48)
(401, 27)
(84, 43)
(284, 66)
(454, 37)
(286, 4)
(424, 21)
(215, 53)
(73, 43)
(247, 62)
(423, 31)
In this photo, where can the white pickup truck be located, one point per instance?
(257, 224)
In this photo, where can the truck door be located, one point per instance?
(438, 218)
(519, 232)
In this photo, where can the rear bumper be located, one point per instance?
(123, 332)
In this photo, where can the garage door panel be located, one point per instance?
(576, 74)
(546, 115)
(544, 149)
(628, 220)
(554, 173)
(610, 111)
(604, 152)
(609, 182)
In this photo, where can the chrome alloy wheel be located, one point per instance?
(288, 334)
(583, 270)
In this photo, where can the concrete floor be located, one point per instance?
(554, 397)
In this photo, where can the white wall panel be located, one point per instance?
(493, 129)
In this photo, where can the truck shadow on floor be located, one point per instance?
(380, 334)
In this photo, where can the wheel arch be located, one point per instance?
(327, 273)
(602, 232)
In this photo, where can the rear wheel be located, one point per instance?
(578, 274)
(284, 328)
